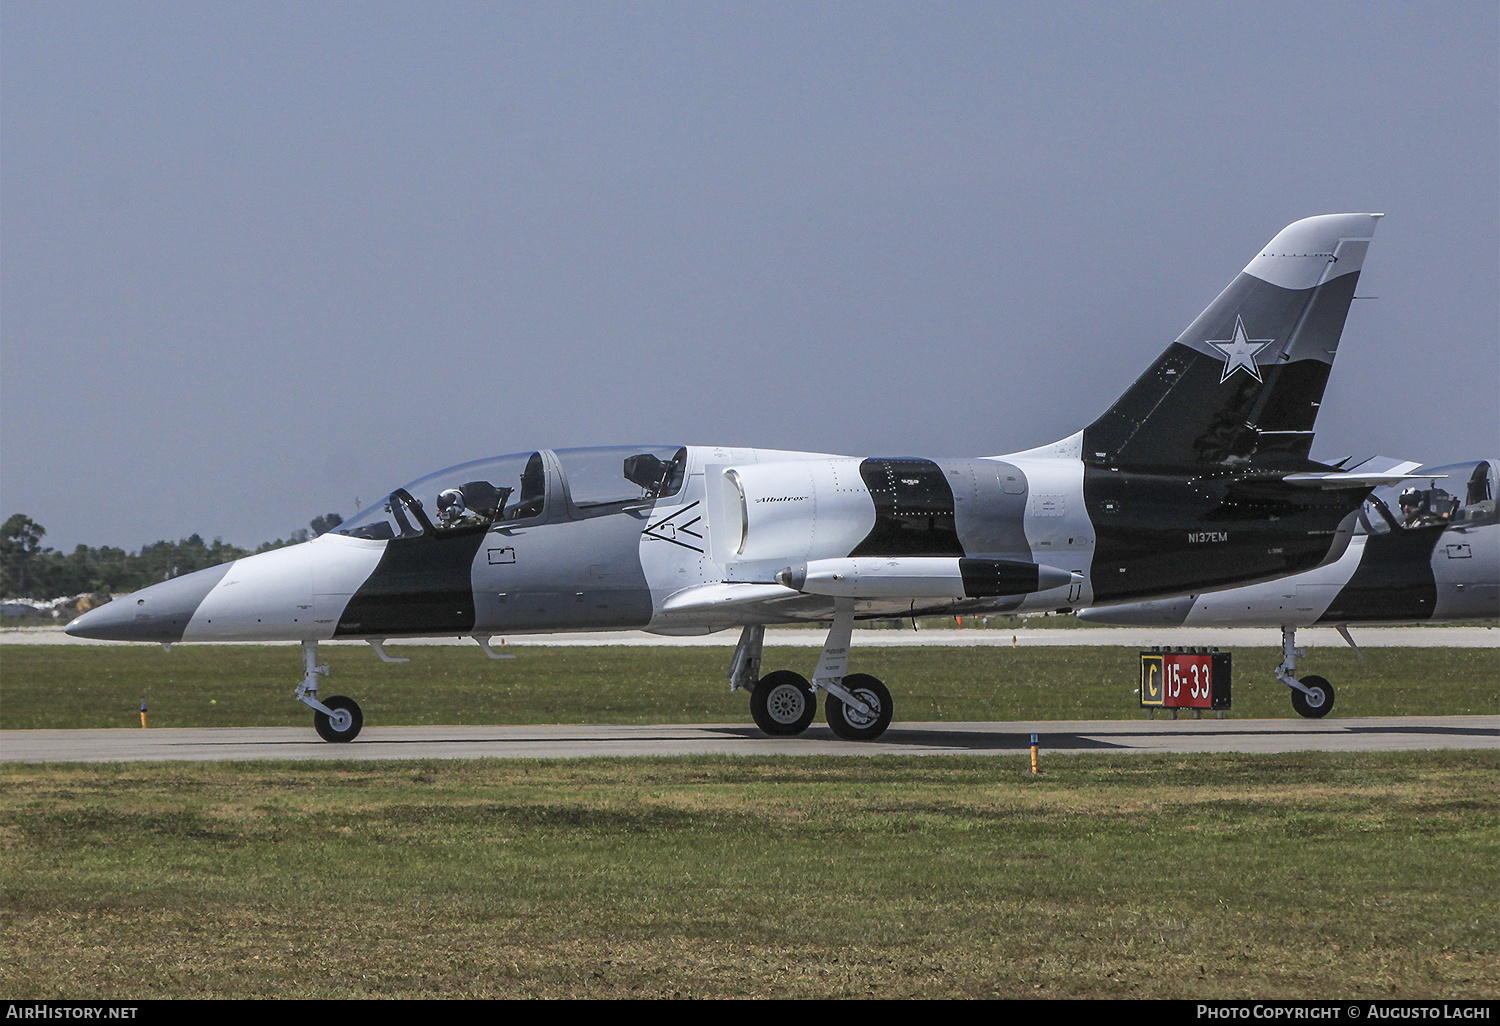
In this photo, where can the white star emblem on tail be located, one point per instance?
(1239, 352)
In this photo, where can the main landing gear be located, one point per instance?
(1312, 696)
(783, 703)
(338, 718)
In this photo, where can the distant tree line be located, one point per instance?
(30, 570)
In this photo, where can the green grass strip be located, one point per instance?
(237, 686)
(1306, 875)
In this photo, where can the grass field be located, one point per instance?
(1305, 875)
(251, 685)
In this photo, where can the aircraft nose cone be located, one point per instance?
(158, 613)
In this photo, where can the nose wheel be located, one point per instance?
(341, 722)
(1314, 702)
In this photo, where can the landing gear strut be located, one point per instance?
(784, 703)
(339, 718)
(1312, 696)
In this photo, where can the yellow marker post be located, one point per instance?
(1034, 770)
(143, 715)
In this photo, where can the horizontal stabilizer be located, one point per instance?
(1370, 474)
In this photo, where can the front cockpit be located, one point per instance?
(523, 488)
(1459, 495)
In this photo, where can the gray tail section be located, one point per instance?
(1245, 380)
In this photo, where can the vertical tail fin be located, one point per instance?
(1246, 378)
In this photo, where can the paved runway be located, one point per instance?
(559, 742)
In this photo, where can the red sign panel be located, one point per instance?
(1185, 680)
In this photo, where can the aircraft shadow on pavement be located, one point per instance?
(1418, 728)
(957, 739)
(962, 740)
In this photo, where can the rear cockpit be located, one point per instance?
(524, 488)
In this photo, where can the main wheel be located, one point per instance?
(1316, 705)
(851, 724)
(345, 722)
(783, 703)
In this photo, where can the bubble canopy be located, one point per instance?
(1456, 495)
(523, 488)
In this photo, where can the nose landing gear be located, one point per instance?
(1312, 696)
(339, 718)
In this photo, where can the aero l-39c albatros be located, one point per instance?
(1197, 478)
(1419, 555)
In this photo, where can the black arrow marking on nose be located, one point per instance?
(682, 528)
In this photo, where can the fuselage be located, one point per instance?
(692, 539)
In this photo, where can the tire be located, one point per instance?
(1316, 705)
(328, 728)
(852, 725)
(783, 703)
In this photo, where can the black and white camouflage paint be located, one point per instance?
(1197, 478)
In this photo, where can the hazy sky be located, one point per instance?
(259, 259)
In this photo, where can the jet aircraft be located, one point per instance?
(1419, 555)
(1198, 477)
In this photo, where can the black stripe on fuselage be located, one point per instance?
(1394, 580)
(913, 510)
(421, 585)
